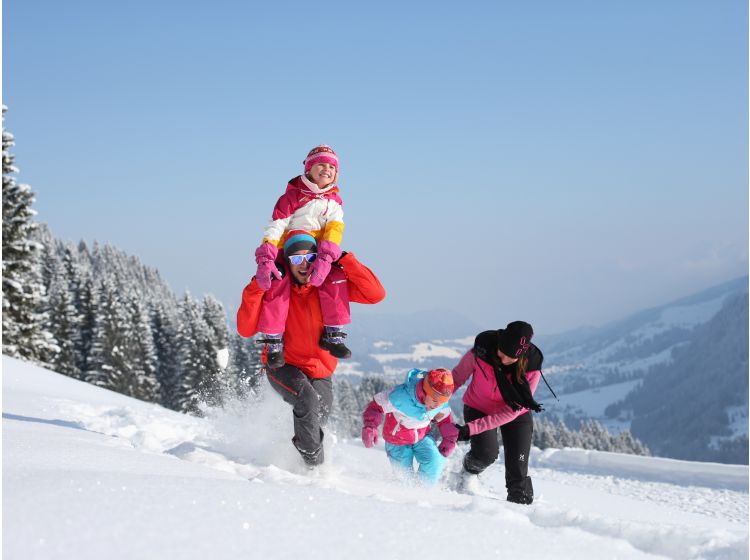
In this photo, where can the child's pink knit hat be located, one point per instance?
(321, 154)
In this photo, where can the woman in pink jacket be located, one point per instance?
(504, 367)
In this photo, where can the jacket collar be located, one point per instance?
(315, 189)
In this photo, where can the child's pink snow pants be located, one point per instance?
(334, 302)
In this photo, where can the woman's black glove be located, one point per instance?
(463, 432)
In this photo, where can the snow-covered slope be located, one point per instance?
(89, 474)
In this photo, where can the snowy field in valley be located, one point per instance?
(90, 474)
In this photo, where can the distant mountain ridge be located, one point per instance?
(688, 408)
(625, 349)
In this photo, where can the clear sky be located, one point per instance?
(566, 163)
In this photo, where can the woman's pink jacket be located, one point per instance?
(484, 395)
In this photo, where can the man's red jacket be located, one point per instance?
(304, 324)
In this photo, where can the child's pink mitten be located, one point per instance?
(265, 256)
(369, 436)
(450, 434)
(327, 253)
(446, 447)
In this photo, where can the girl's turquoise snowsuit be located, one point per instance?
(404, 399)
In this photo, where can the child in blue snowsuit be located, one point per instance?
(409, 410)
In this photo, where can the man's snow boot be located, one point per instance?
(311, 459)
(332, 340)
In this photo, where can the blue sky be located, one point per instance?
(566, 163)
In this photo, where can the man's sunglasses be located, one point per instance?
(297, 259)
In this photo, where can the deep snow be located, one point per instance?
(88, 473)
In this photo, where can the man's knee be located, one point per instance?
(324, 390)
(307, 402)
(286, 382)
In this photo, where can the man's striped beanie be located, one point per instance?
(299, 240)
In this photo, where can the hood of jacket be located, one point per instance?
(404, 397)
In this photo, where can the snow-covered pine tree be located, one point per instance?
(216, 319)
(346, 414)
(84, 256)
(164, 327)
(109, 364)
(602, 439)
(367, 389)
(64, 321)
(566, 437)
(24, 335)
(624, 442)
(244, 372)
(88, 309)
(73, 272)
(142, 352)
(213, 380)
(49, 254)
(585, 437)
(193, 362)
(216, 351)
(544, 434)
(591, 435)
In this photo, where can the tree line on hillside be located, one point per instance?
(116, 324)
(99, 315)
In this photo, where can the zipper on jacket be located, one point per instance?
(395, 429)
(304, 292)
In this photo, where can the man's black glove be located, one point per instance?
(463, 432)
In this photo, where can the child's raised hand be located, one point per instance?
(265, 257)
(265, 273)
(369, 436)
(319, 270)
(328, 252)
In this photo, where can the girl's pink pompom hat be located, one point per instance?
(321, 154)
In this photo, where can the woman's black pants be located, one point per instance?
(485, 448)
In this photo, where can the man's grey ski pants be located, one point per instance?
(311, 400)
